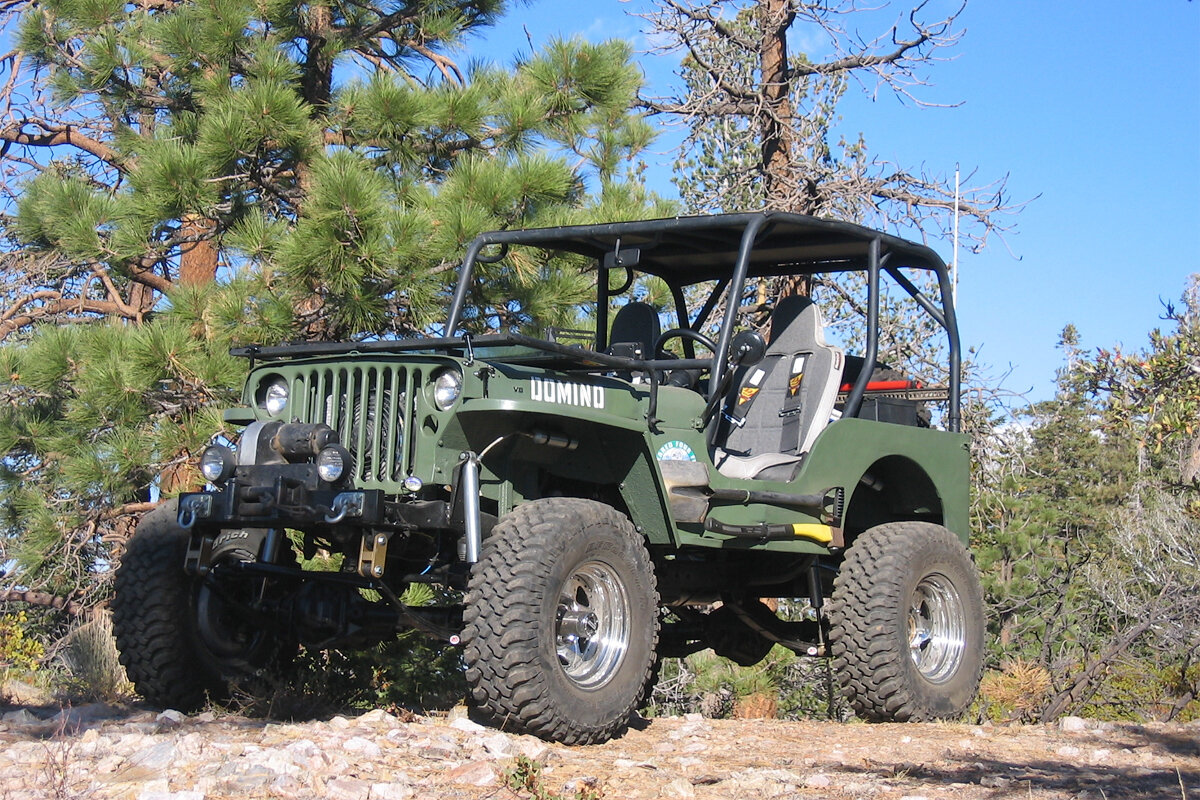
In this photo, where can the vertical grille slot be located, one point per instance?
(371, 408)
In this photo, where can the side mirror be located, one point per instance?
(747, 348)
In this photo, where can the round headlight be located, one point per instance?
(217, 463)
(333, 463)
(274, 396)
(447, 386)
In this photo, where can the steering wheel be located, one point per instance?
(682, 333)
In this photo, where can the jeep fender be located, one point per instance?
(611, 453)
(894, 472)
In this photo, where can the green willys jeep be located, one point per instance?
(590, 501)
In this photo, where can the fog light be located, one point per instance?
(413, 484)
(217, 463)
(333, 463)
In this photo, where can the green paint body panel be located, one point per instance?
(612, 445)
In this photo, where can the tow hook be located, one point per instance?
(346, 504)
(192, 508)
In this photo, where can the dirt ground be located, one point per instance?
(105, 752)
(965, 762)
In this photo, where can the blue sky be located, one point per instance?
(1092, 107)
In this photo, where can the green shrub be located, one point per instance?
(20, 652)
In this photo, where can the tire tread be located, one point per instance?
(500, 619)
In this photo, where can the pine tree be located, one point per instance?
(93, 415)
(186, 176)
(335, 153)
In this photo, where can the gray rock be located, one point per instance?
(473, 773)
(347, 789)
(171, 718)
(466, 725)
(392, 791)
(1073, 724)
(362, 747)
(20, 717)
(157, 757)
(498, 746)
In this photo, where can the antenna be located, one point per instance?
(954, 259)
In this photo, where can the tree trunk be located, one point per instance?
(197, 255)
(1189, 469)
(318, 65)
(141, 299)
(775, 119)
(778, 164)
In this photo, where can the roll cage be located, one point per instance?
(728, 249)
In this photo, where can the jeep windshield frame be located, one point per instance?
(728, 249)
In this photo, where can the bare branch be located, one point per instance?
(53, 135)
(65, 604)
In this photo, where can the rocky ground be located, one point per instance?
(101, 751)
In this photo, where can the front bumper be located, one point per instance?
(279, 495)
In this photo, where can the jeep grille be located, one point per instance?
(370, 407)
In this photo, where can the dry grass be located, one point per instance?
(759, 705)
(1017, 691)
(89, 654)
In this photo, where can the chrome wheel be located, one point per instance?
(592, 625)
(936, 628)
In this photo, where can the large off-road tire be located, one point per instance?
(561, 621)
(906, 624)
(180, 644)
